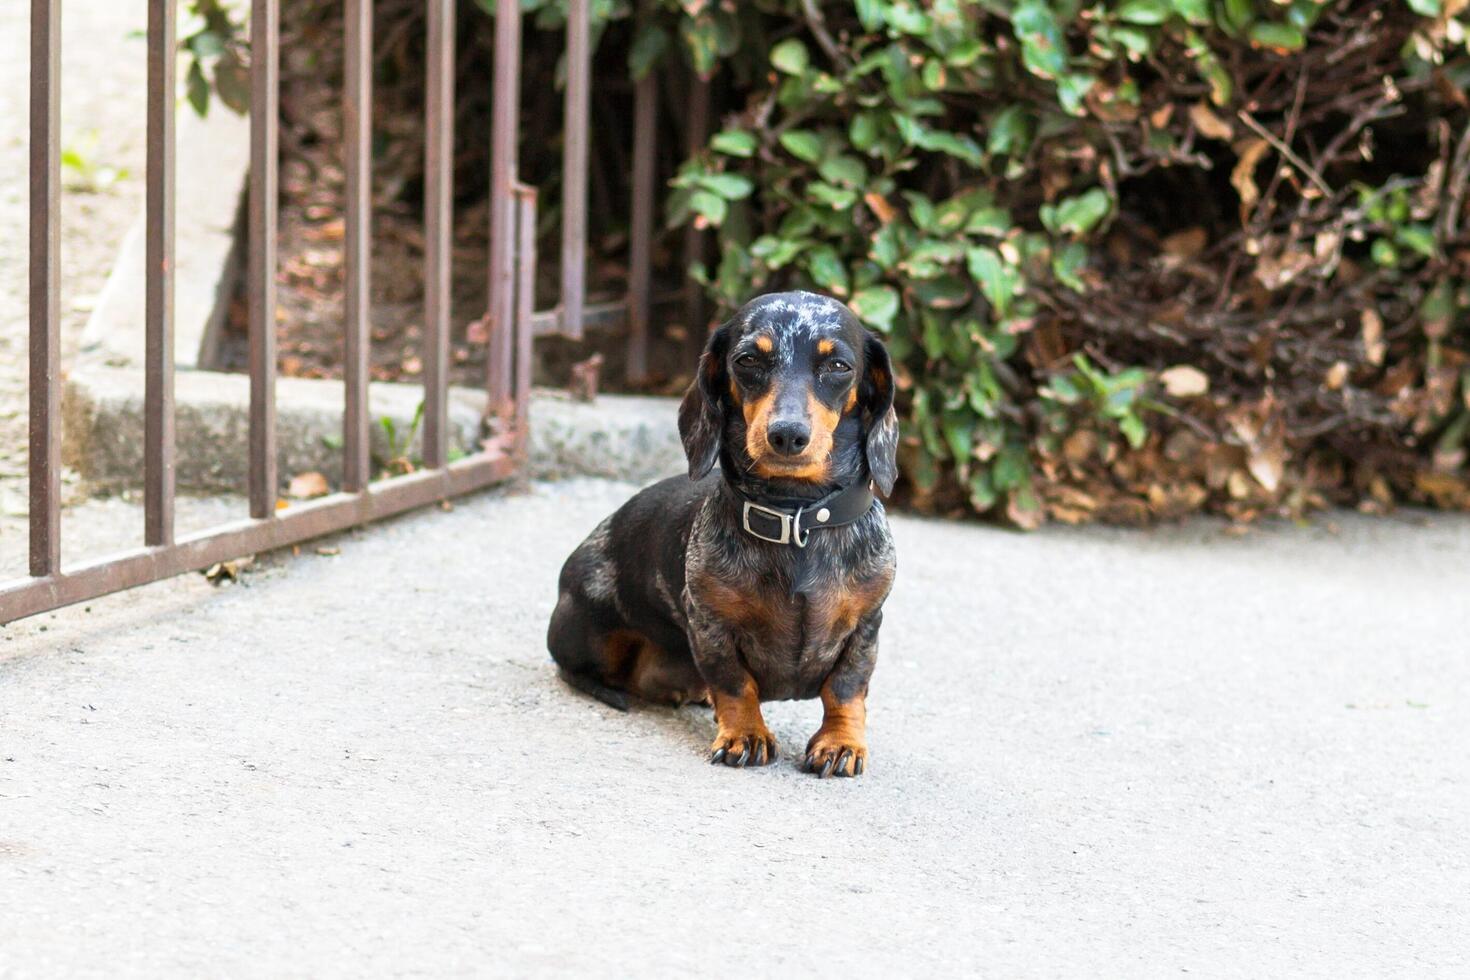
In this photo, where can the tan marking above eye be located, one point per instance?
(766, 344)
(825, 347)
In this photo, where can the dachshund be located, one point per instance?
(763, 580)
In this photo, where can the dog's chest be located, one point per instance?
(791, 618)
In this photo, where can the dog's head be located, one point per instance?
(793, 389)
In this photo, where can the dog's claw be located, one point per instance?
(827, 758)
(742, 751)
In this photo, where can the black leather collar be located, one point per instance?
(793, 525)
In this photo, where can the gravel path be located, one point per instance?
(102, 117)
(1094, 753)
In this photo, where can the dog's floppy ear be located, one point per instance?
(702, 413)
(880, 421)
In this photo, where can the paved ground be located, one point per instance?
(1093, 753)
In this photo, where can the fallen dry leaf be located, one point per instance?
(1337, 376)
(1184, 381)
(1373, 346)
(1243, 175)
(228, 571)
(303, 486)
(880, 206)
(1185, 244)
(1208, 123)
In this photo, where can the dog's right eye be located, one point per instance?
(747, 361)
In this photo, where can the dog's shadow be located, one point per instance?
(691, 726)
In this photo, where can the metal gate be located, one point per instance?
(512, 319)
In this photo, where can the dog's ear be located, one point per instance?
(880, 420)
(702, 412)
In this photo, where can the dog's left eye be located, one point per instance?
(837, 367)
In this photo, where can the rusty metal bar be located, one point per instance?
(503, 176)
(357, 136)
(299, 523)
(438, 228)
(264, 183)
(158, 317)
(640, 260)
(694, 239)
(525, 308)
(576, 137)
(45, 267)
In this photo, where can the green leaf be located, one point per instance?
(954, 144)
(1195, 11)
(648, 47)
(206, 44)
(886, 249)
(1383, 252)
(843, 170)
(1069, 259)
(1147, 12)
(734, 143)
(863, 131)
(1425, 8)
(709, 204)
(1043, 48)
(1010, 131)
(790, 56)
(232, 82)
(1072, 88)
(944, 293)
(732, 187)
(840, 198)
(1417, 238)
(197, 89)
(1077, 215)
(827, 270)
(871, 14)
(906, 20)
(876, 307)
(1133, 430)
(802, 144)
(1283, 37)
(998, 281)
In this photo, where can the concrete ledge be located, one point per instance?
(622, 437)
(617, 436)
(213, 157)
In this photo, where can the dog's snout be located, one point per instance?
(789, 437)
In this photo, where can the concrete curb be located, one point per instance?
(622, 437)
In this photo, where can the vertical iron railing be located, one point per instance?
(357, 135)
(45, 394)
(49, 584)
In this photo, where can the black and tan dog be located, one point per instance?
(765, 580)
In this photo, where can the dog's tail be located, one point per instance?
(593, 687)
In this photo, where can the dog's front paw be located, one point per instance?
(835, 753)
(743, 747)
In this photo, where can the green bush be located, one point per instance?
(1135, 258)
(1132, 259)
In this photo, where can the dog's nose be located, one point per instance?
(789, 437)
